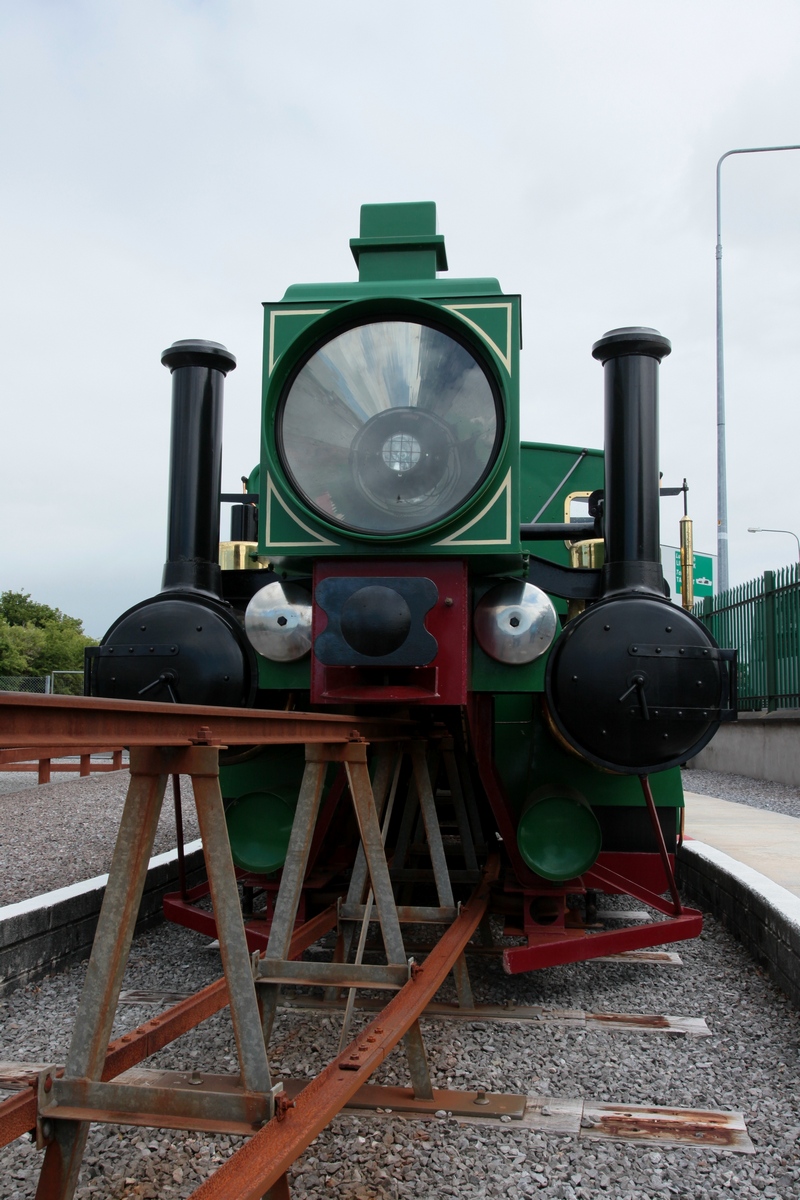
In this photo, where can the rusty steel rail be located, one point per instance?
(78, 721)
(264, 1160)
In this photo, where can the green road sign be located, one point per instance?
(703, 574)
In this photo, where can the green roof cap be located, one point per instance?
(398, 241)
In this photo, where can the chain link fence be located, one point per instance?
(57, 683)
(40, 685)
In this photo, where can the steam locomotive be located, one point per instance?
(381, 559)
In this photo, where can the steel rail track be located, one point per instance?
(267, 1156)
(67, 721)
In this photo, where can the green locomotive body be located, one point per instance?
(383, 562)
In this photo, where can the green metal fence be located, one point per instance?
(761, 619)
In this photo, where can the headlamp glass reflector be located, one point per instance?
(389, 426)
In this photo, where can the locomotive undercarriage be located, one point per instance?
(438, 849)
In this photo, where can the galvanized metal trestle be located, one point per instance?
(68, 1104)
(275, 967)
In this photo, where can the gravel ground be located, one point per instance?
(757, 793)
(63, 832)
(750, 1064)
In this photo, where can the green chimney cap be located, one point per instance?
(399, 241)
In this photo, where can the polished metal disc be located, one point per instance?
(278, 621)
(515, 622)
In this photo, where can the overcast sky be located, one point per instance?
(166, 166)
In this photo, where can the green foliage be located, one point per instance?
(12, 662)
(19, 609)
(36, 639)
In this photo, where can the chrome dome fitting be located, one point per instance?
(515, 622)
(278, 621)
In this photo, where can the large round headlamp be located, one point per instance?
(389, 426)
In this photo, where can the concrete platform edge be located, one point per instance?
(759, 745)
(760, 914)
(51, 931)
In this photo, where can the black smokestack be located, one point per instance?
(630, 359)
(198, 374)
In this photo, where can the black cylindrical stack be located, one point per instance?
(630, 359)
(198, 372)
(635, 684)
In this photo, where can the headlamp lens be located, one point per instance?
(389, 426)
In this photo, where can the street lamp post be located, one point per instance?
(758, 529)
(722, 479)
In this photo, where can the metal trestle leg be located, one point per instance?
(80, 1089)
(438, 859)
(112, 942)
(371, 840)
(275, 968)
(356, 891)
(291, 886)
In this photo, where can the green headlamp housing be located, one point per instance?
(391, 406)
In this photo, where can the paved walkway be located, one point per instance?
(768, 842)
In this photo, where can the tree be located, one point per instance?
(36, 639)
(19, 609)
(12, 661)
